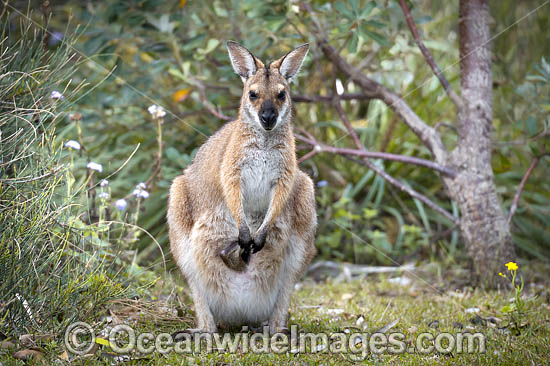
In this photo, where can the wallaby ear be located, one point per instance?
(244, 62)
(289, 65)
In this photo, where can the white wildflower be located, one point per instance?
(103, 195)
(72, 144)
(104, 183)
(140, 193)
(56, 95)
(95, 166)
(339, 87)
(121, 204)
(156, 111)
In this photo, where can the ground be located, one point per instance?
(410, 303)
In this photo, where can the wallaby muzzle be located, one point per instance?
(268, 115)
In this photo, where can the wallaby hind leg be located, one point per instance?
(278, 322)
(301, 249)
(205, 319)
(203, 315)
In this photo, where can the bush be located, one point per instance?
(51, 269)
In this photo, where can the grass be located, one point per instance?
(331, 306)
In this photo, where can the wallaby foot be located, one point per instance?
(232, 256)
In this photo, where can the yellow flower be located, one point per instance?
(501, 275)
(511, 266)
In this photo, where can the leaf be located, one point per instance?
(506, 309)
(181, 95)
(145, 57)
(219, 10)
(368, 8)
(64, 356)
(355, 7)
(535, 149)
(352, 45)
(375, 24)
(365, 33)
(531, 126)
(163, 23)
(545, 65)
(210, 46)
(343, 9)
(103, 342)
(177, 73)
(172, 154)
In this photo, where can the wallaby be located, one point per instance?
(242, 217)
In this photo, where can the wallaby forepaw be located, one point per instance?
(234, 257)
(259, 242)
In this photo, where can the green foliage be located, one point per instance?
(526, 140)
(150, 52)
(61, 259)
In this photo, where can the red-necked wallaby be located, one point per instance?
(242, 216)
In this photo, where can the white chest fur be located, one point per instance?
(259, 174)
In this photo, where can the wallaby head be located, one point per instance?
(266, 96)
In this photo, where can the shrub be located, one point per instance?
(51, 270)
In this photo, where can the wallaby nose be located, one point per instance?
(268, 117)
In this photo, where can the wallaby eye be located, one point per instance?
(253, 95)
(281, 95)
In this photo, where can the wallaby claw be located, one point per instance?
(259, 242)
(245, 239)
(224, 254)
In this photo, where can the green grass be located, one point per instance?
(415, 307)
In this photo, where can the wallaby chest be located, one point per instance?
(261, 168)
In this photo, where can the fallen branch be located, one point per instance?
(333, 269)
(429, 59)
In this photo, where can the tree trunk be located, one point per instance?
(483, 224)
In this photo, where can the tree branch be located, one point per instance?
(209, 106)
(320, 147)
(385, 175)
(317, 147)
(375, 90)
(349, 127)
(411, 192)
(328, 98)
(309, 155)
(526, 176)
(429, 59)
(402, 158)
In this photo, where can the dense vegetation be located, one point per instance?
(75, 236)
(140, 54)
